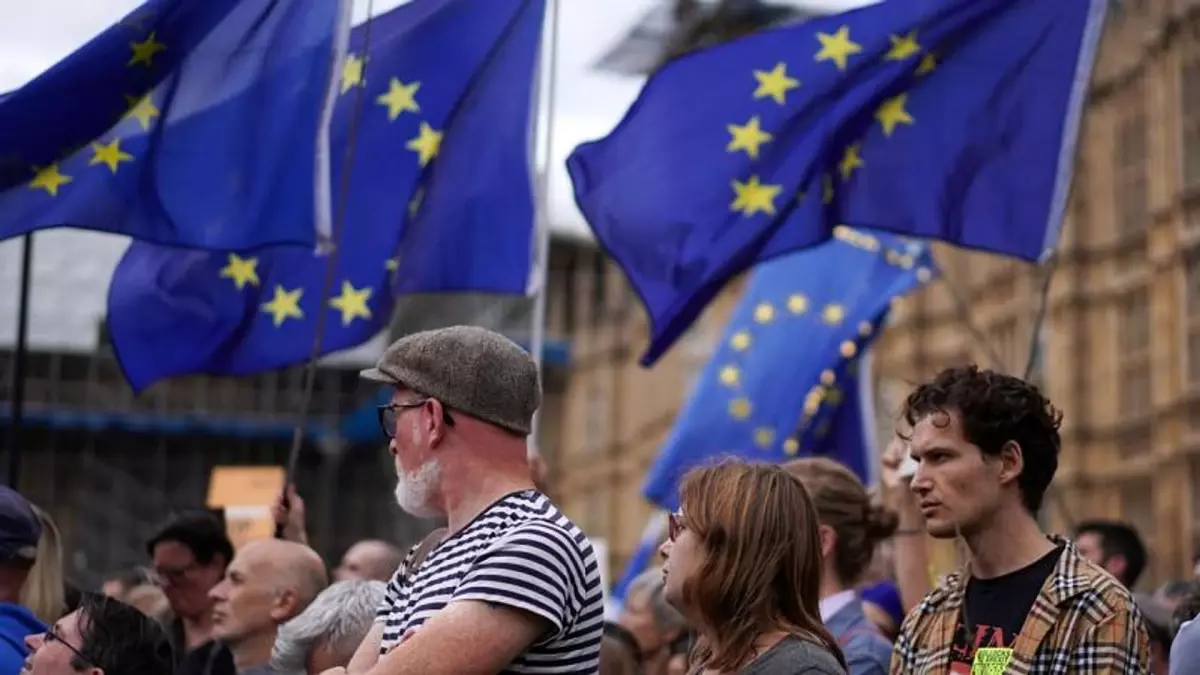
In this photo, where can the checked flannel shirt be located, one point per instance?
(1084, 622)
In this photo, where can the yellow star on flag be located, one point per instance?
(928, 63)
(837, 47)
(797, 304)
(352, 303)
(740, 341)
(285, 305)
(764, 437)
(143, 52)
(730, 376)
(426, 144)
(774, 83)
(753, 196)
(400, 98)
(764, 313)
(49, 179)
(892, 113)
(864, 328)
(241, 270)
(850, 161)
(109, 154)
(352, 72)
(828, 377)
(392, 265)
(791, 446)
(748, 137)
(740, 408)
(903, 46)
(143, 110)
(833, 314)
(847, 349)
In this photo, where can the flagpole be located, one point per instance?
(20, 356)
(545, 126)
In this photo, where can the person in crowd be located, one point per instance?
(1171, 593)
(850, 527)
(652, 621)
(370, 559)
(190, 553)
(743, 564)
(884, 608)
(619, 652)
(151, 601)
(45, 590)
(20, 534)
(1115, 546)
(269, 582)
(117, 584)
(515, 585)
(1160, 626)
(987, 447)
(102, 637)
(325, 635)
(1185, 649)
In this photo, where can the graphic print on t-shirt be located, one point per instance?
(994, 610)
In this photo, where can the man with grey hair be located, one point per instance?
(655, 624)
(326, 634)
(514, 587)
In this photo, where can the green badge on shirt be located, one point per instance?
(991, 660)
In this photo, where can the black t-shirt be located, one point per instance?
(995, 609)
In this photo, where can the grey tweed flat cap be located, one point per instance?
(467, 368)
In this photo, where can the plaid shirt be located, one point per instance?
(1083, 622)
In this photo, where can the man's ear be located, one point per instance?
(1012, 462)
(286, 606)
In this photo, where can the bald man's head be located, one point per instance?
(268, 582)
(370, 559)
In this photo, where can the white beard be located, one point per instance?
(414, 491)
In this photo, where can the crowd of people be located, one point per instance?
(766, 569)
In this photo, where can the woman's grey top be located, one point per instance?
(795, 656)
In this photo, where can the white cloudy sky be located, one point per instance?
(71, 269)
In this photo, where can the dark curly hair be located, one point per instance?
(996, 408)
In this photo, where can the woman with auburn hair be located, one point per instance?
(851, 527)
(743, 564)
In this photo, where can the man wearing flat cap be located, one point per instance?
(514, 586)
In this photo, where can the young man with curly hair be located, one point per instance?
(987, 448)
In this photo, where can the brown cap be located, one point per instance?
(467, 368)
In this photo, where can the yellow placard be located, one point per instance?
(246, 493)
(244, 485)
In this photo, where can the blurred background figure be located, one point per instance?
(117, 584)
(190, 553)
(20, 538)
(1161, 627)
(654, 624)
(1115, 546)
(850, 527)
(328, 631)
(370, 560)
(619, 652)
(269, 582)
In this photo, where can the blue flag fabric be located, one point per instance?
(784, 381)
(438, 198)
(191, 123)
(952, 120)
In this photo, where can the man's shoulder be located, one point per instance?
(1089, 589)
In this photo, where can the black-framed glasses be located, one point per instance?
(51, 636)
(389, 412)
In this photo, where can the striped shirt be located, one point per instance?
(520, 552)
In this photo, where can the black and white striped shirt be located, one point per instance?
(520, 552)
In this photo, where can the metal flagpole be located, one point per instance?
(20, 356)
(544, 126)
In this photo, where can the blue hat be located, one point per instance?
(886, 596)
(20, 528)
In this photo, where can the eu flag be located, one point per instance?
(190, 122)
(785, 379)
(952, 120)
(436, 101)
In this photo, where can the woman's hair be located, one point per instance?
(844, 505)
(762, 561)
(619, 653)
(44, 590)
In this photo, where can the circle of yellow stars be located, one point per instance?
(753, 195)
